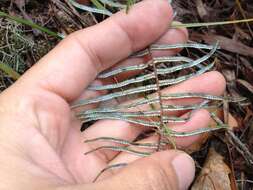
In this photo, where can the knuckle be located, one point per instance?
(86, 48)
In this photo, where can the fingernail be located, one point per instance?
(185, 170)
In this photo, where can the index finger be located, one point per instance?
(74, 63)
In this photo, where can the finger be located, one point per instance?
(199, 119)
(168, 170)
(89, 94)
(74, 63)
(172, 36)
(210, 83)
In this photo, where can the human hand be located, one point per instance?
(41, 146)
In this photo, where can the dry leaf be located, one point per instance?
(232, 122)
(247, 69)
(229, 75)
(214, 175)
(225, 43)
(246, 85)
(20, 3)
(201, 9)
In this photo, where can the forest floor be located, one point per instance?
(21, 47)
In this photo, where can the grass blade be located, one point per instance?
(97, 4)
(31, 24)
(8, 70)
(91, 9)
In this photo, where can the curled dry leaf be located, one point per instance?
(214, 175)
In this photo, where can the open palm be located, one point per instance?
(41, 143)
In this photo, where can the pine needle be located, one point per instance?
(194, 25)
(31, 24)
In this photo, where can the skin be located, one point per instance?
(41, 146)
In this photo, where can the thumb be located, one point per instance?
(161, 171)
(168, 170)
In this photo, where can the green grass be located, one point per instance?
(9, 71)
